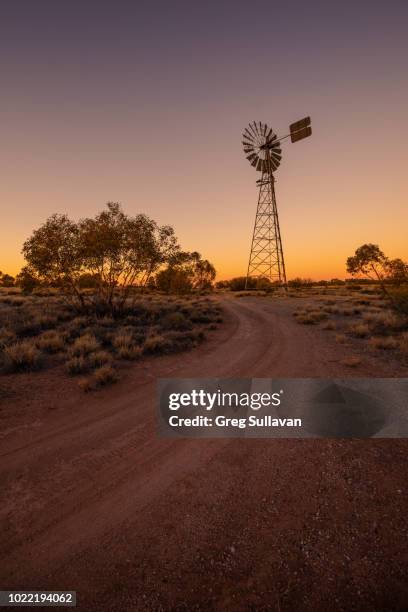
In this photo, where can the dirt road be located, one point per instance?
(94, 501)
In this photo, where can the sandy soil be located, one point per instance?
(94, 501)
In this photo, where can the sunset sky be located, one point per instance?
(145, 102)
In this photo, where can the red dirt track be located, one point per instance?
(94, 501)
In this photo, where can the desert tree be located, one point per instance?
(370, 261)
(6, 280)
(117, 251)
(186, 272)
(53, 255)
(203, 272)
(122, 251)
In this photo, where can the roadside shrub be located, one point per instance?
(77, 365)
(383, 322)
(84, 345)
(22, 356)
(6, 337)
(99, 358)
(387, 343)
(156, 344)
(50, 342)
(340, 338)
(176, 321)
(105, 375)
(181, 341)
(122, 339)
(330, 325)
(403, 344)
(130, 352)
(349, 311)
(400, 300)
(359, 330)
(311, 317)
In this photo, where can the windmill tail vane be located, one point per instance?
(262, 148)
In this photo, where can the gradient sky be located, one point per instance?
(145, 102)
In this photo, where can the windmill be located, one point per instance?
(262, 148)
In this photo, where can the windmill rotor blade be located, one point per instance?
(251, 131)
(255, 129)
(269, 136)
(254, 161)
(247, 134)
(251, 157)
(265, 128)
(247, 144)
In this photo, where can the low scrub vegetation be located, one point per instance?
(21, 356)
(46, 332)
(369, 320)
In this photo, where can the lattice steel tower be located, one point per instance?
(263, 150)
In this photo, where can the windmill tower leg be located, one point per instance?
(266, 256)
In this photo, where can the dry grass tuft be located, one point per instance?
(22, 356)
(84, 345)
(130, 353)
(340, 338)
(310, 317)
(99, 358)
(403, 344)
(383, 322)
(359, 330)
(155, 344)
(330, 325)
(77, 365)
(50, 341)
(387, 343)
(6, 337)
(105, 375)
